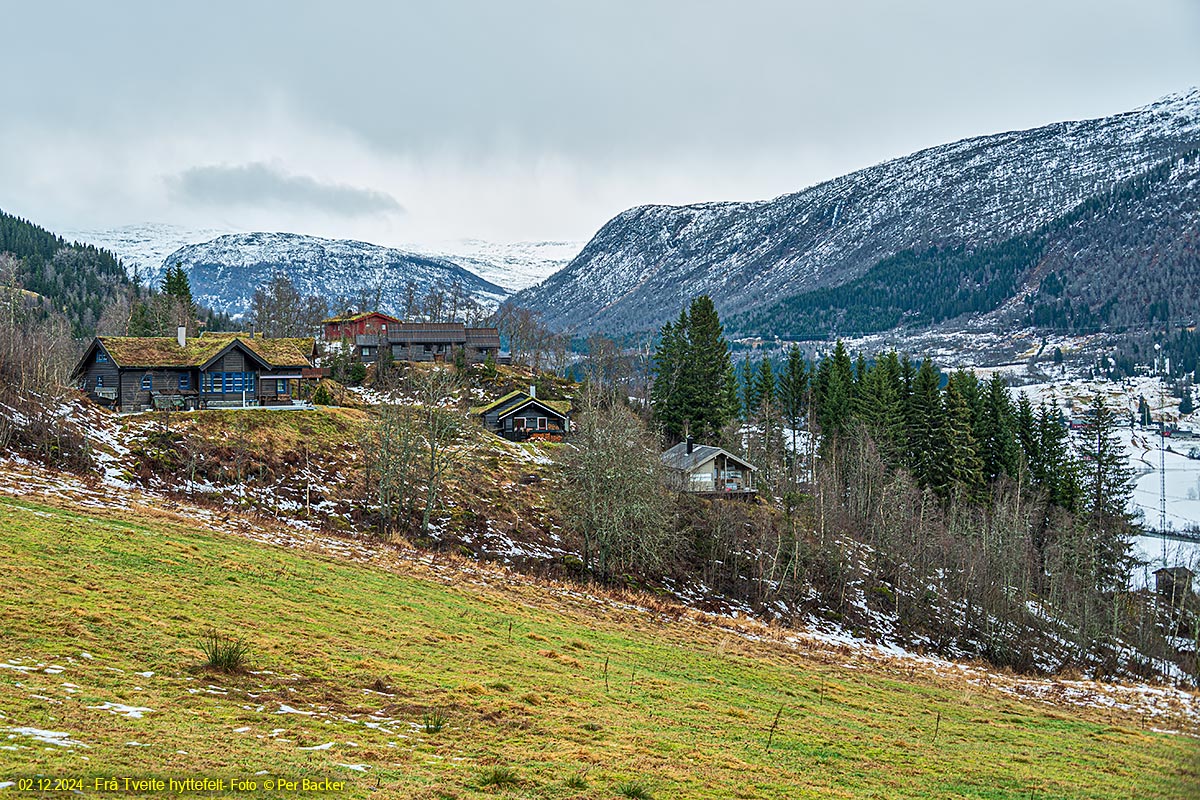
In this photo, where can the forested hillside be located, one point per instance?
(79, 280)
(1114, 260)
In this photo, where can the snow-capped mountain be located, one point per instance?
(225, 272)
(513, 265)
(644, 264)
(143, 248)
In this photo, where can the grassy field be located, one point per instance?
(540, 692)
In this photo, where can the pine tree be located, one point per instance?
(997, 437)
(1107, 484)
(958, 469)
(667, 363)
(764, 382)
(924, 423)
(835, 384)
(793, 390)
(693, 375)
(1144, 412)
(749, 387)
(1186, 405)
(706, 369)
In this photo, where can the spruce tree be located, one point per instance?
(958, 469)
(1107, 486)
(997, 437)
(793, 390)
(924, 422)
(667, 363)
(835, 383)
(764, 382)
(693, 375)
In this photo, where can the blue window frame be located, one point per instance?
(147, 382)
(101, 357)
(228, 382)
(99, 381)
(185, 382)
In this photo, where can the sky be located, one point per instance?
(403, 122)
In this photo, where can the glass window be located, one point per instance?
(101, 357)
(541, 423)
(185, 382)
(251, 380)
(147, 382)
(99, 381)
(281, 387)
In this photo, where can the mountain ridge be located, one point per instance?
(646, 261)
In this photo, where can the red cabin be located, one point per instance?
(367, 323)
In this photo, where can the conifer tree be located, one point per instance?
(997, 438)
(793, 390)
(693, 385)
(924, 420)
(958, 469)
(835, 385)
(1107, 486)
(764, 382)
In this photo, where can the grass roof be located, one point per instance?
(561, 406)
(358, 316)
(164, 351)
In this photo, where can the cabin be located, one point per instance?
(704, 469)
(519, 416)
(1173, 584)
(214, 370)
(413, 341)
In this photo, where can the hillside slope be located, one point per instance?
(225, 271)
(641, 266)
(543, 691)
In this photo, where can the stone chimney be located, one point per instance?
(533, 390)
(691, 445)
(181, 335)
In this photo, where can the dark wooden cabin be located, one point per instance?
(519, 416)
(413, 341)
(136, 373)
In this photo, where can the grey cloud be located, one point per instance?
(259, 184)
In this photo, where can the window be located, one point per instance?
(519, 424)
(99, 381)
(147, 382)
(281, 386)
(101, 357)
(185, 382)
(428, 348)
(541, 423)
(366, 351)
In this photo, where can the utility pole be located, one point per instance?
(1164, 370)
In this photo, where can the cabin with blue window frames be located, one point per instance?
(135, 373)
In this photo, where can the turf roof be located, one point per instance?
(164, 351)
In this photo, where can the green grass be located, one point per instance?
(366, 653)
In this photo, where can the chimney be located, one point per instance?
(251, 330)
(691, 443)
(181, 335)
(533, 390)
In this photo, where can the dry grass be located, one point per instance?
(686, 714)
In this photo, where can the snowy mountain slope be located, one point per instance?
(645, 263)
(143, 248)
(513, 265)
(225, 272)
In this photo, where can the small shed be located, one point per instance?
(1173, 583)
(704, 469)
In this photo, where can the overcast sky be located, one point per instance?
(415, 121)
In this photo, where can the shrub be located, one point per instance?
(321, 396)
(224, 653)
(434, 721)
(634, 791)
(577, 781)
(498, 776)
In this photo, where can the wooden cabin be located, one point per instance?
(137, 373)
(519, 416)
(413, 341)
(704, 469)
